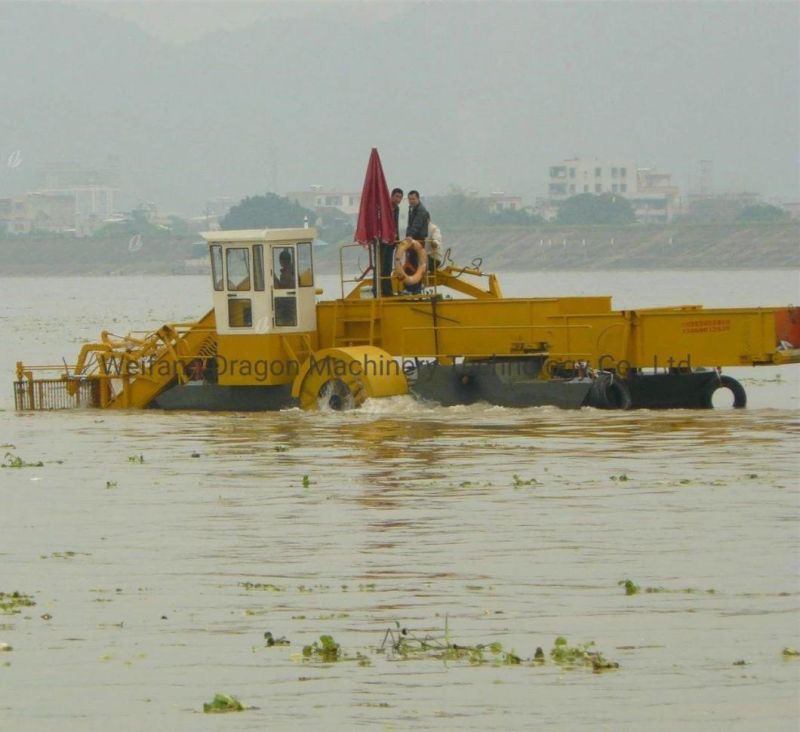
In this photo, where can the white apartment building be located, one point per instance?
(317, 197)
(589, 175)
(651, 193)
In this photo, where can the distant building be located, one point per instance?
(317, 198)
(46, 212)
(89, 201)
(589, 175)
(651, 193)
(793, 207)
(657, 200)
(90, 188)
(499, 201)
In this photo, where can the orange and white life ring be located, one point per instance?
(403, 267)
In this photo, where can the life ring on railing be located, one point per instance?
(404, 268)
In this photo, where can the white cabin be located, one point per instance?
(263, 280)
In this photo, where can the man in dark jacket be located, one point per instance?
(418, 218)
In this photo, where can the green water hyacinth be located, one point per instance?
(223, 703)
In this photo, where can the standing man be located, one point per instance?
(418, 220)
(387, 248)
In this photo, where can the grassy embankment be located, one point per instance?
(676, 246)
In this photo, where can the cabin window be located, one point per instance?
(216, 266)
(258, 267)
(283, 269)
(238, 267)
(304, 267)
(240, 313)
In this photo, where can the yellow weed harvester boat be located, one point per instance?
(267, 343)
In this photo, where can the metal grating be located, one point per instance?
(45, 394)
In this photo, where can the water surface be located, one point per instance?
(513, 526)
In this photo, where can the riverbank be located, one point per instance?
(502, 248)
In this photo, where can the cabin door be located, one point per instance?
(293, 297)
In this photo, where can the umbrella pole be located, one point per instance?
(376, 268)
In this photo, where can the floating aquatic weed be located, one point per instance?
(65, 555)
(326, 650)
(568, 656)
(307, 482)
(401, 643)
(136, 459)
(631, 588)
(271, 640)
(15, 461)
(789, 652)
(280, 448)
(266, 586)
(520, 483)
(111, 484)
(223, 703)
(12, 603)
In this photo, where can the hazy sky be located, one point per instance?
(199, 100)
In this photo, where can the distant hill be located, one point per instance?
(502, 249)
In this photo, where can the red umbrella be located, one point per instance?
(375, 217)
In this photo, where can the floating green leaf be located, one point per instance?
(223, 703)
(266, 586)
(15, 461)
(520, 483)
(568, 656)
(273, 641)
(326, 650)
(631, 588)
(11, 603)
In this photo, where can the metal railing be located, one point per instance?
(46, 394)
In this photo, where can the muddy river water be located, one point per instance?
(159, 548)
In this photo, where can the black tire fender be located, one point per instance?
(617, 395)
(726, 382)
(609, 392)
